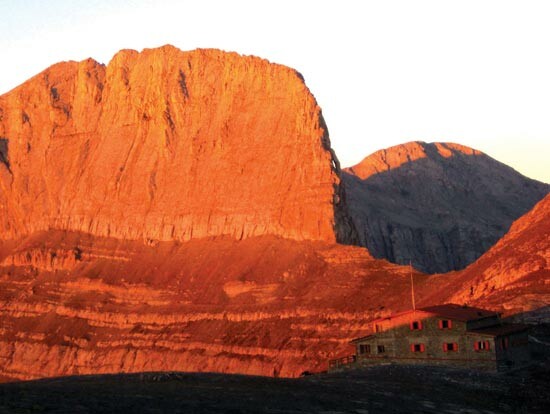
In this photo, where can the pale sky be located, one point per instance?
(385, 72)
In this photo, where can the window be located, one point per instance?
(378, 328)
(482, 345)
(503, 343)
(416, 325)
(445, 324)
(364, 349)
(450, 347)
(418, 347)
(381, 349)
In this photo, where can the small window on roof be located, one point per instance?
(416, 325)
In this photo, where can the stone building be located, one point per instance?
(448, 334)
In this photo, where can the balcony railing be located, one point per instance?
(341, 362)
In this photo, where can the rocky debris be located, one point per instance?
(439, 205)
(169, 145)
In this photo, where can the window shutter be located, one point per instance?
(440, 323)
(445, 347)
(412, 347)
(411, 326)
(455, 346)
(450, 324)
(487, 345)
(476, 345)
(419, 325)
(422, 347)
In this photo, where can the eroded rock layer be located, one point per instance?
(168, 145)
(439, 205)
(77, 304)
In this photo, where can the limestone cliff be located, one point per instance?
(440, 205)
(168, 145)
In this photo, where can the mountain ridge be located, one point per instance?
(439, 205)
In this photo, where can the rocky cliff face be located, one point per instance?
(440, 205)
(168, 145)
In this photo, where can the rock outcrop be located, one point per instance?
(440, 205)
(168, 145)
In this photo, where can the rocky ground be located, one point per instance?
(382, 389)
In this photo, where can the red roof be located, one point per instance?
(449, 311)
(459, 312)
(361, 338)
(501, 330)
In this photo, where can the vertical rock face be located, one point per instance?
(439, 205)
(168, 145)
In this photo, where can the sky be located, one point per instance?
(384, 72)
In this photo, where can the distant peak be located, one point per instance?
(396, 156)
(123, 56)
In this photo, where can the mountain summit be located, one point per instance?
(439, 205)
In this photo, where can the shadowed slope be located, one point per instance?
(440, 205)
(386, 389)
(513, 276)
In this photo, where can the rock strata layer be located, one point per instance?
(72, 303)
(168, 145)
(439, 205)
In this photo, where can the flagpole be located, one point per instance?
(412, 285)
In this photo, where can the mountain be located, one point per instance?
(168, 145)
(172, 210)
(513, 276)
(180, 211)
(439, 205)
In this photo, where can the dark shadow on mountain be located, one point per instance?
(440, 213)
(4, 158)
